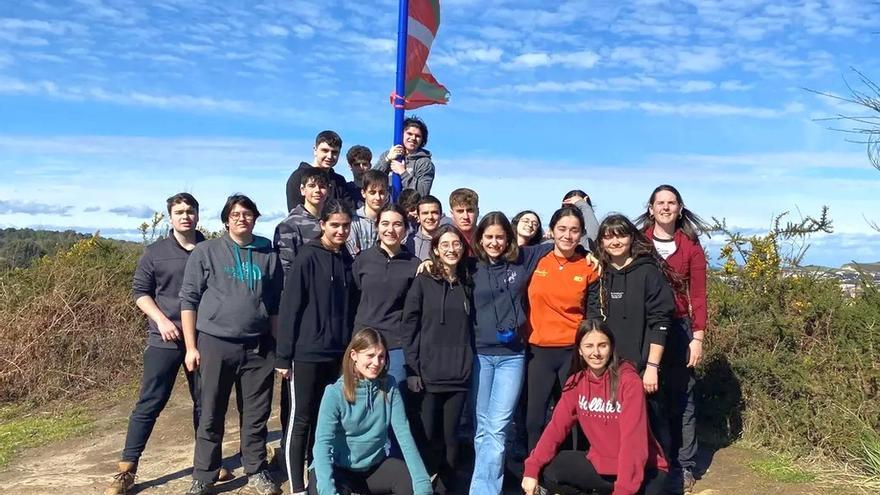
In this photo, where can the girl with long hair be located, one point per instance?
(438, 346)
(556, 295)
(500, 275)
(527, 225)
(317, 308)
(605, 396)
(353, 422)
(674, 230)
(635, 298)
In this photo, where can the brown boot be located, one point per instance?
(124, 479)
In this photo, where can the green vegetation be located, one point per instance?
(780, 468)
(791, 360)
(20, 247)
(21, 429)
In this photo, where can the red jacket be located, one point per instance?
(621, 444)
(689, 261)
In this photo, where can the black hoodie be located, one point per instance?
(638, 306)
(317, 306)
(336, 189)
(383, 282)
(438, 334)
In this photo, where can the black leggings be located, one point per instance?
(547, 367)
(443, 409)
(570, 473)
(308, 383)
(389, 477)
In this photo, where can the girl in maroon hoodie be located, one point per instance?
(674, 231)
(606, 397)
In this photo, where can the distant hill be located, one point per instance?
(20, 247)
(864, 267)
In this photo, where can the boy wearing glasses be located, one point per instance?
(229, 311)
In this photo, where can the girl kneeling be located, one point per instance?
(606, 397)
(353, 422)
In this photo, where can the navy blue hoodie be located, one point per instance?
(317, 306)
(383, 282)
(499, 289)
(638, 305)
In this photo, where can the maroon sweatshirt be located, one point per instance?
(689, 261)
(621, 443)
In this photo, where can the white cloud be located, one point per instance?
(303, 31)
(734, 85)
(717, 110)
(274, 30)
(582, 60)
(696, 86)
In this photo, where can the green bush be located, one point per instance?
(69, 323)
(792, 364)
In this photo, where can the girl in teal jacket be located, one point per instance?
(353, 421)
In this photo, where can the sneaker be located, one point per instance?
(688, 480)
(123, 480)
(225, 474)
(263, 484)
(199, 488)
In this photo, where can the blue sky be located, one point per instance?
(110, 106)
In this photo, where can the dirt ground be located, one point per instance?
(85, 465)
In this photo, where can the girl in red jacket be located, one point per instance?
(675, 232)
(606, 397)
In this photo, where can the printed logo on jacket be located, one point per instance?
(598, 405)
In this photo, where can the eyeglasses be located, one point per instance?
(235, 215)
(450, 246)
(533, 223)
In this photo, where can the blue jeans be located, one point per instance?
(396, 361)
(499, 380)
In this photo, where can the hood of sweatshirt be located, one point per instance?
(638, 305)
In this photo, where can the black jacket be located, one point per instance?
(317, 306)
(336, 189)
(438, 334)
(638, 306)
(383, 282)
(159, 275)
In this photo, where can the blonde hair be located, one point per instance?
(361, 341)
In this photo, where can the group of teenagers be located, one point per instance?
(398, 331)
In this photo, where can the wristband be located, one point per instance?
(653, 365)
(698, 340)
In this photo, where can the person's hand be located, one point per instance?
(169, 331)
(192, 360)
(396, 151)
(424, 266)
(649, 380)
(572, 200)
(398, 167)
(285, 373)
(696, 351)
(414, 384)
(529, 485)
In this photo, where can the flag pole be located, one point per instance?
(400, 89)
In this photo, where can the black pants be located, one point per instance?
(570, 473)
(435, 431)
(161, 367)
(547, 368)
(389, 477)
(677, 382)
(249, 367)
(308, 383)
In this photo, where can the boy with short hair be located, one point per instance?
(363, 226)
(430, 212)
(410, 160)
(409, 201)
(301, 225)
(465, 206)
(326, 154)
(359, 158)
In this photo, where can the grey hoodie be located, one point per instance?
(234, 289)
(419, 173)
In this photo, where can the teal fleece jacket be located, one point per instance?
(353, 436)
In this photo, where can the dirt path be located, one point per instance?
(85, 465)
